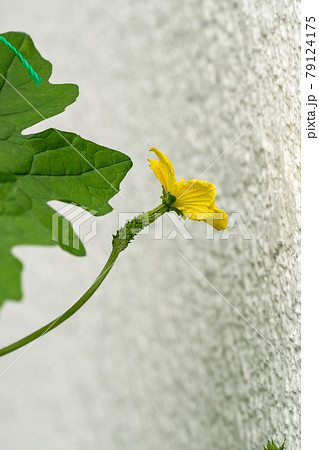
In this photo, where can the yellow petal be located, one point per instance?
(218, 219)
(194, 193)
(163, 170)
(196, 199)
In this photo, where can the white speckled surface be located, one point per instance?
(158, 360)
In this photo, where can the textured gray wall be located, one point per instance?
(158, 359)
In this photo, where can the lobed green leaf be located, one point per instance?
(38, 168)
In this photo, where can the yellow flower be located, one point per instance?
(194, 199)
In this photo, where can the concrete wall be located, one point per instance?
(159, 360)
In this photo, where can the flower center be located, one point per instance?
(169, 200)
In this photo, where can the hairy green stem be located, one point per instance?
(120, 241)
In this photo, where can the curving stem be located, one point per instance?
(120, 241)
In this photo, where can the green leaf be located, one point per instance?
(38, 168)
(272, 446)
